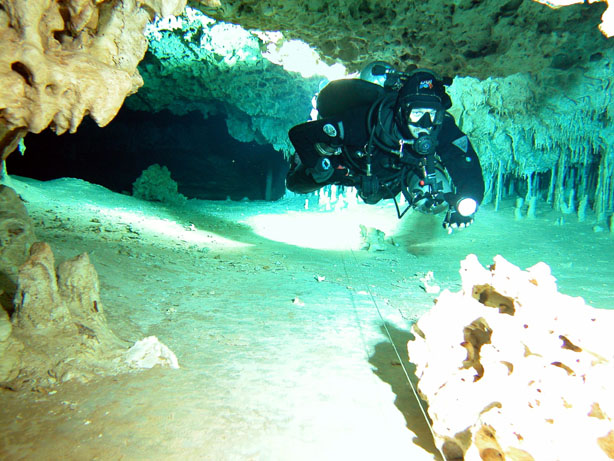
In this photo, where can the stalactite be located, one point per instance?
(532, 208)
(489, 182)
(571, 202)
(582, 208)
(562, 138)
(559, 196)
(333, 193)
(582, 186)
(529, 187)
(511, 185)
(609, 186)
(499, 187)
(551, 185)
(518, 208)
(599, 206)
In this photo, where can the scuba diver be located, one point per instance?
(386, 133)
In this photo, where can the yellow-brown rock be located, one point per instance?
(16, 237)
(512, 369)
(63, 60)
(59, 330)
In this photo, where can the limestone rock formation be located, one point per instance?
(10, 350)
(465, 38)
(59, 323)
(62, 60)
(512, 369)
(196, 63)
(149, 352)
(156, 185)
(16, 237)
(59, 332)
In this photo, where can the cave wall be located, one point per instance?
(197, 63)
(550, 139)
(535, 99)
(65, 59)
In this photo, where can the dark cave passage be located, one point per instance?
(203, 158)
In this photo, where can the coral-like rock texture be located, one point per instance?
(59, 331)
(16, 237)
(63, 59)
(196, 63)
(457, 38)
(156, 185)
(59, 328)
(512, 369)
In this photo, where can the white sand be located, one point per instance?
(279, 337)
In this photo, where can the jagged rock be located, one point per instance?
(62, 60)
(59, 331)
(16, 237)
(38, 304)
(194, 64)
(60, 322)
(149, 352)
(155, 184)
(10, 350)
(372, 238)
(468, 38)
(512, 369)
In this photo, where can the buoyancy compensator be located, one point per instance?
(340, 96)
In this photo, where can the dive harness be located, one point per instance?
(420, 178)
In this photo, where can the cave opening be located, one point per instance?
(203, 158)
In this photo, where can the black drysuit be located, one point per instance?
(359, 127)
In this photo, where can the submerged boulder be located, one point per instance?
(512, 369)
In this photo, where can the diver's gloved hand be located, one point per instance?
(455, 220)
(322, 171)
(460, 214)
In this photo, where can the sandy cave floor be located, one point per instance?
(282, 349)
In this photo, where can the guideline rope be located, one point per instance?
(396, 351)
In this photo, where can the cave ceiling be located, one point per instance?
(479, 38)
(62, 60)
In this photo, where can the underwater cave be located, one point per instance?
(205, 161)
(226, 318)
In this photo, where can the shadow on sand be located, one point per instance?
(388, 369)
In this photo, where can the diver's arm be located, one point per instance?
(463, 165)
(461, 161)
